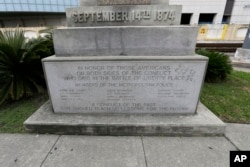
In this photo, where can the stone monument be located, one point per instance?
(124, 67)
(242, 55)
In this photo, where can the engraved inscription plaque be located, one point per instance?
(138, 15)
(125, 86)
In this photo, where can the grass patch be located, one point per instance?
(229, 100)
(12, 115)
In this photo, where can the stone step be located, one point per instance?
(204, 123)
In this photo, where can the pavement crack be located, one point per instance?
(146, 162)
(232, 143)
(53, 146)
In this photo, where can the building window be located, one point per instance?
(186, 18)
(1, 24)
(206, 18)
(225, 19)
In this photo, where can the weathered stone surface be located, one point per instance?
(88, 2)
(138, 15)
(246, 44)
(126, 2)
(241, 58)
(136, 41)
(204, 123)
(242, 55)
(123, 2)
(125, 84)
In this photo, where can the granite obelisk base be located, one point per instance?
(125, 84)
(242, 55)
(204, 123)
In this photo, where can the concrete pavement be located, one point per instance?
(31, 150)
(25, 150)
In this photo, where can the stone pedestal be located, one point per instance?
(125, 41)
(242, 55)
(242, 58)
(204, 123)
(125, 68)
(125, 84)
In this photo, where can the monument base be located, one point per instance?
(242, 58)
(125, 41)
(125, 84)
(204, 123)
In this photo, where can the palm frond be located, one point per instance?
(14, 39)
(21, 71)
(4, 91)
(8, 55)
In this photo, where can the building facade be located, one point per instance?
(218, 19)
(201, 11)
(214, 11)
(34, 13)
(240, 12)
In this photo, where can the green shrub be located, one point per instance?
(219, 66)
(21, 73)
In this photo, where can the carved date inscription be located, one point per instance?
(118, 16)
(124, 15)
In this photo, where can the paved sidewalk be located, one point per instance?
(25, 150)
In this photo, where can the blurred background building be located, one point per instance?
(220, 20)
(34, 13)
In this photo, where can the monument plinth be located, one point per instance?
(242, 55)
(125, 84)
(125, 67)
(125, 41)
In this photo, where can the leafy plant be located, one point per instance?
(21, 73)
(219, 66)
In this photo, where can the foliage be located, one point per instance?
(47, 30)
(230, 99)
(21, 73)
(219, 66)
(12, 115)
